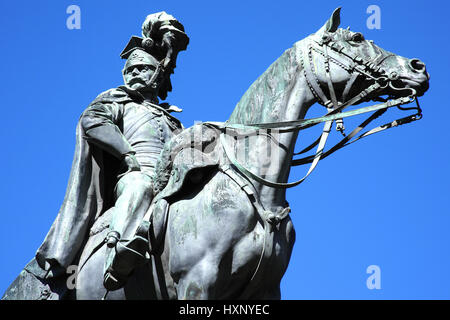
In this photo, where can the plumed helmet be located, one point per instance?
(163, 38)
(138, 57)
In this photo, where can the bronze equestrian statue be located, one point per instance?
(210, 219)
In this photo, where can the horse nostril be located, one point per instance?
(417, 65)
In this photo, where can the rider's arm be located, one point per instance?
(99, 122)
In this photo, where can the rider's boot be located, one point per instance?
(123, 256)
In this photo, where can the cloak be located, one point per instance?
(89, 194)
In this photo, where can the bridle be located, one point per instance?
(358, 66)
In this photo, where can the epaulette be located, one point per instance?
(166, 108)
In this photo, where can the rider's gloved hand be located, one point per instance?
(130, 163)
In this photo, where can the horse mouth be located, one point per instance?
(408, 86)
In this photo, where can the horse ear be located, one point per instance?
(333, 23)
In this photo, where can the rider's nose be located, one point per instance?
(417, 65)
(135, 71)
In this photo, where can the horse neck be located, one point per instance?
(279, 94)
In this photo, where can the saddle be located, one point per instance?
(184, 162)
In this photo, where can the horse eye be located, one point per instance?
(358, 37)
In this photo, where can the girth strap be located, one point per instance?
(269, 219)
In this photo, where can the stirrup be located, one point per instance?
(127, 256)
(112, 280)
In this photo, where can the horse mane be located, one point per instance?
(268, 96)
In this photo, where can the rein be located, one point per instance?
(333, 106)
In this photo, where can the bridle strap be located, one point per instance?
(311, 78)
(328, 119)
(250, 174)
(349, 84)
(346, 140)
(329, 80)
(279, 185)
(296, 125)
(350, 102)
(341, 144)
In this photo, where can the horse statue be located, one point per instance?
(219, 228)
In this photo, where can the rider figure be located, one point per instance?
(119, 138)
(134, 131)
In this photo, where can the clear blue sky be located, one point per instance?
(382, 202)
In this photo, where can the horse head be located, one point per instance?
(354, 64)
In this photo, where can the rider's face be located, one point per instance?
(138, 76)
